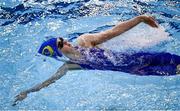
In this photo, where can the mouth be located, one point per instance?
(68, 44)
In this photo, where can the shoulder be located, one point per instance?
(86, 40)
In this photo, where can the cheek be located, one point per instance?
(66, 49)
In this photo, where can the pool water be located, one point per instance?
(24, 25)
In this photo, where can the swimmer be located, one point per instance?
(88, 55)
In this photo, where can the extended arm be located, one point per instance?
(61, 71)
(123, 27)
(91, 40)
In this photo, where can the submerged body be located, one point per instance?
(141, 63)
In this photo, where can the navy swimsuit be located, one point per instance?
(141, 63)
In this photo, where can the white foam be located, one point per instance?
(141, 36)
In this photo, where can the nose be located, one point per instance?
(67, 43)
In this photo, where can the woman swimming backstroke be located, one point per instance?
(86, 55)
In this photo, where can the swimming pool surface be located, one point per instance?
(24, 25)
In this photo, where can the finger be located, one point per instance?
(16, 99)
(14, 104)
(16, 96)
(153, 23)
(153, 18)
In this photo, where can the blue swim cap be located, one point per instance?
(49, 48)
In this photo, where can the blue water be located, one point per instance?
(23, 27)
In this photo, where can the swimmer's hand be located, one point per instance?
(20, 97)
(148, 20)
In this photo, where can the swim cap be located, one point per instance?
(49, 48)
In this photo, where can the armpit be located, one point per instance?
(80, 41)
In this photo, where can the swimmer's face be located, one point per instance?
(64, 46)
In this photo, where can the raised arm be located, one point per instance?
(98, 38)
(60, 72)
(123, 27)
